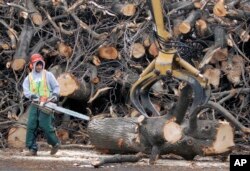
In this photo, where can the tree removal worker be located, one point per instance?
(40, 86)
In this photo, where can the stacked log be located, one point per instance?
(101, 48)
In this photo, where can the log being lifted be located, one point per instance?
(161, 135)
(71, 87)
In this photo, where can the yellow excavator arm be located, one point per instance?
(156, 9)
(168, 63)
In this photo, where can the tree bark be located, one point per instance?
(186, 26)
(117, 159)
(218, 50)
(71, 87)
(36, 17)
(203, 29)
(64, 50)
(21, 53)
(162, 134)
(213, 76)
(17, 132)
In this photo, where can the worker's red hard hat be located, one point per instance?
(34, 58)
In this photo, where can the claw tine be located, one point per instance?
(135, 99)
(199, 96)
(145, 96)
(135, 93)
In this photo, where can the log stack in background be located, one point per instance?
(98, 49)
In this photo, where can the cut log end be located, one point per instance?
(172, 132)
(198, 5)
(221, 55)
(184, 27)
(129, 10)
(140, 119)
(220, 12)
(219, 9)
(63, 134)
(233, 70)
(24, 14)
(56, 2)
(244, 36)
(224, 140)
(213, 76)
(137, 50)
(95, 80)
(4, 46)
(146, 42)
(37, 19)
(96, 61)
(64, 50)
(108, 53)
(16, 137)
(201, 27)
(8, 65)
(153, 50)
(67, 84)
(18, 64)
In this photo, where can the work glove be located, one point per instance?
(53, 98)
(34, 98)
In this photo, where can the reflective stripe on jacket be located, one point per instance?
(39, 88)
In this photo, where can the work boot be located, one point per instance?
(31, 153)
(54, 149)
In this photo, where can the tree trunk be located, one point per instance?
(218, 50)
(64, 50)
(35, 14)
(71, 87)
(17, 132)
(21, 53)
(186, 26)
(148, 135)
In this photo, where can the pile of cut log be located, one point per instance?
(98, 49)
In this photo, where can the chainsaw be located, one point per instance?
(50, 107)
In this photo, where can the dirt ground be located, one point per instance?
(80, 159)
